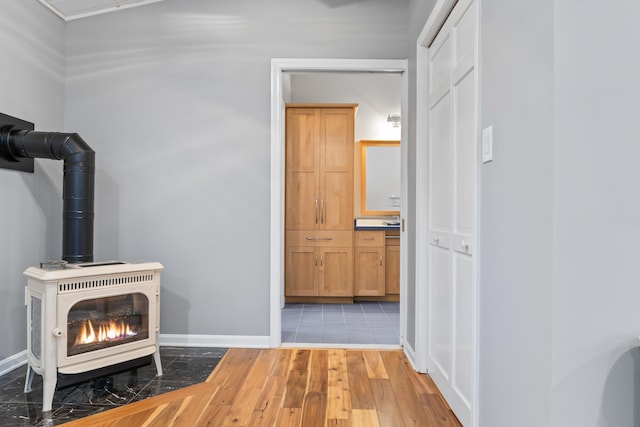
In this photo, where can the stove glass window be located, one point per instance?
(100, 323)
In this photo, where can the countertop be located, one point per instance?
(376, 224)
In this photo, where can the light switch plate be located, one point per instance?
(487, 144)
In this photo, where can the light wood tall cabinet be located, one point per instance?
(319, 200)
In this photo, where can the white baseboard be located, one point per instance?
(13, 362)
(342, 346)
(179, 340)
(411, 356)
(226, 341)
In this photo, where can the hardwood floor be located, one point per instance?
(295, 387)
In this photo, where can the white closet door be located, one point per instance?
(452, 208)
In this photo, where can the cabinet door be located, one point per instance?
(301, 265)
(336, 168)
(302, 171)
(392, 270)
(369, 271)
(336, 272)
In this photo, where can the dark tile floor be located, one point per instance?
(181, 367)
(357, 323)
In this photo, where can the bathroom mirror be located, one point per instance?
(380, 177)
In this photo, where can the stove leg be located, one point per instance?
(49, 380)
(29, 379)
(158, 363)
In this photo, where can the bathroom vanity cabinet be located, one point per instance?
(392, 263)
(369, 263)
(377, 264)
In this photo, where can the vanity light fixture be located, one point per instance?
(395, 120)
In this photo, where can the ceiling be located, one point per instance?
(74, 9)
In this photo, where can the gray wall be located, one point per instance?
(175, 98)
(596, 173)
(377, 95)
(516, 213)
(31, 88)
(559, 216)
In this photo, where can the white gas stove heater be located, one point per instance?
(82, 317)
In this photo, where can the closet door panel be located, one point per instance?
(464, 34)
(440, 296)
(465, 163)
(440, 173)
(439, 68)
(462, 354)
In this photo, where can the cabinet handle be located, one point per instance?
(321, 260)
(391, 237)
(318, 238)
(380, 260)
(322, 211)
(316, 210)
(465, 245)
(368, 238)
(436, 239)
(316, 260)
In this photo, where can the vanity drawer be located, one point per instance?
(392, 238)
(319, 238)
(369, 238)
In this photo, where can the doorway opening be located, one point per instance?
(306, 80)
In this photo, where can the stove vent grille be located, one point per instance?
(103, 282)
(36, 326)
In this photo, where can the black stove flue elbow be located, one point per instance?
(78, 184)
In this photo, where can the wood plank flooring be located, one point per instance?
(294, 387)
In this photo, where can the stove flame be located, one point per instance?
(103, 332)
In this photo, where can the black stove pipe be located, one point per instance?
(78, 184)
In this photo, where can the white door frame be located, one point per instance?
(278, 67)
(438, 16)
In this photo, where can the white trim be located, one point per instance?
(348, 65)
(178, 340)
(276, 278)
(412, 357)
(422, 209)
(52, 9)
(438, 16)
(278, 66)
(100, 11)
(344, 346)
(404, 206)
(475, 404)
(13, 362)
(227, 341)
